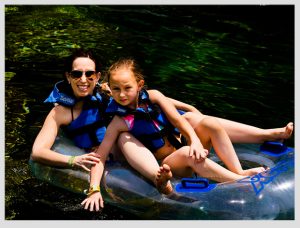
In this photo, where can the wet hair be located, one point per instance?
(77, 53)
(126, 63)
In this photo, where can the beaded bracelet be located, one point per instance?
(71, 161)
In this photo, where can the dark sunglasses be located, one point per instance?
(76, 74)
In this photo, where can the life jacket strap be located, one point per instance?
(174, 141)
(169, 133)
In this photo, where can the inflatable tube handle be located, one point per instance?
(199, 183)
(274, 148)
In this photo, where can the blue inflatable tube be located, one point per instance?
(266, 196)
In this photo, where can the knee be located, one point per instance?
(193, 118)
(123, 138)
(184, 155)
(210, 123)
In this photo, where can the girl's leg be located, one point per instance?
(141, 159)
(243, 133)
(212, 133)
(183, 165)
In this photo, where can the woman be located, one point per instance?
(77, 91)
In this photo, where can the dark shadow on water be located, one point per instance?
(52, 203)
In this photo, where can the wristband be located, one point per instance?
(71, 161)
(93, 188)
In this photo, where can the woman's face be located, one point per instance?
(83, 77)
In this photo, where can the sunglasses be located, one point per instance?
(76, 74)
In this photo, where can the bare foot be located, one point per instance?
(288, 130)
(253, 171)
(280, 134)
(163, 177)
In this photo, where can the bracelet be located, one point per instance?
(71, 161)
(93, 188)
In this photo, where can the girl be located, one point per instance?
(153, 120)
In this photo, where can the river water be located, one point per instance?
(231, 61)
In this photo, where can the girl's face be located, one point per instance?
(124, 87)
(83, 77)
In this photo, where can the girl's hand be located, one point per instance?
(87, 160)
(93, 201)
(197, 149)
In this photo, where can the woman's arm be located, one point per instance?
(41, 149)
(179, 122)
(94, 199)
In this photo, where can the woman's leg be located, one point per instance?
(243, 133)
(183, 165)
(141, 159)
(212, 133)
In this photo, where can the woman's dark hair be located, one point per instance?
(81, 53)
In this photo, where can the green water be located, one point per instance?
(235, 62)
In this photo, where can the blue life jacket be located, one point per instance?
(144, 128)
(89, 128)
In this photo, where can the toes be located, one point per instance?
(290, 127)
(162, 179)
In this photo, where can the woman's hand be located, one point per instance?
(87, 160)
(93, 202)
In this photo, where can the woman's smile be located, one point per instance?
(83, 88)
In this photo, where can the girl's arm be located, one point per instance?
(41, 149)
(94, 199)
(183, 106)
(179, 122)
